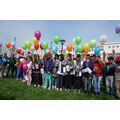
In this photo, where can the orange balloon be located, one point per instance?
(8, 45)
(86, 52)
(69, 47)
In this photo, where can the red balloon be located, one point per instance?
(36, 47)
(38, 35)
(41, 46)
(18, 50)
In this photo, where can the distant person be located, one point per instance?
(88, 75)
(78, 65)
(98, 66)
(117, 76)
(109, 75)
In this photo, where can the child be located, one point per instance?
(117, 76)
(88, 74)
(78, 64)
(36, 74)
(60, 73)
(48, 68)
(19, 68)
(55, 69)
(109, 76)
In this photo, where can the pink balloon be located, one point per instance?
(12, 44)
(24, 62)
(25, 67)
(22, 53)
(38, 35)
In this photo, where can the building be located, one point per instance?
(109, 48)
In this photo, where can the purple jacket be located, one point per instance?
(48, 66)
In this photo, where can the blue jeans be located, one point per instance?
(88, 81)
(19, 72)
(59, 81)
(96, 83)
(109, 84)
(48, 80)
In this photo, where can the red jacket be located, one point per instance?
(19, 64)
(97, 68)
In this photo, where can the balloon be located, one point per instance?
(117, 29)
(86, 46)
(44, 45)
(0, 44)
(8, 44)
(21, 60)
(69, 47)
(79, 48)
(78, 40)
(35, 40)
(23, 47)
(41, 46)
(13, 45)
(55, 50)
(97, 51)
(40, 54)
(22, 53)
(36, 47)
(24, 62)
(25, 67)
(56, 39)
(103, 39)
(38, 35)
(28, 44)
(92, 43)
(66, 52)
(73, 41)
(32, 49)
(86, 52)
(18, 50)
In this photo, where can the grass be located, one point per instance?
(11, 89)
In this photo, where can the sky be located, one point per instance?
(66, 29)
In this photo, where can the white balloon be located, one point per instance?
(73, 41)
(103, 39)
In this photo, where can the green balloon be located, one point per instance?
(79, 48)
(23, 47)
(92, 43)
(56, 40)
(78, 40)
(44, 45)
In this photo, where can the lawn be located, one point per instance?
(11, 89)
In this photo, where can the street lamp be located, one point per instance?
(62, 41)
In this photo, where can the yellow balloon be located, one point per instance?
(35, 41)
(40, 54)
(66, 52)
(86, 46)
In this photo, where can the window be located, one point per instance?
(113, 46)
(109, 46)
(117, 46)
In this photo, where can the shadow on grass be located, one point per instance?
(6, 98)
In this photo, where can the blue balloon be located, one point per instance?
(75, 50)
(97, 51)
(55, 50)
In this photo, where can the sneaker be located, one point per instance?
(38, 85)
(60, 89)
(49, 88)
(34, 85)
(79, 91)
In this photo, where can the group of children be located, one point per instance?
(70, 72)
